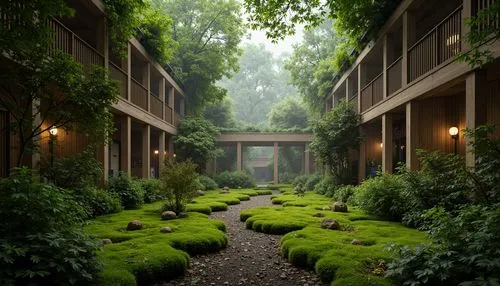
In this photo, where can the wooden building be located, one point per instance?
(149, 108)
(409, 89)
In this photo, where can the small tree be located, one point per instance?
(178, 184)
(334, 135)
(288, 113)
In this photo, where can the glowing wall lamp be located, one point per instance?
(381, 145)
(454, 135)
(52, 138)
(53, 131)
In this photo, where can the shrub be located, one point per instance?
(179, 184)
(312, 181)
(208, 182)
(129, 191)
(345, 194)
(381, 196)
(327, 186)
(98, 202)
(300, 180)
(234, 179)
(151, 189)
(287, 178)
(41, 242)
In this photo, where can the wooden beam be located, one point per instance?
(125, 144)
(475, 112)
(161, 151)
(387, 145)
(412, 134)
(362, 157)
(239, 163)
(146, 151)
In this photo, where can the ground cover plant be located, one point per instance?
(356, 254)
(213, 201)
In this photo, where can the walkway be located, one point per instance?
(251, 258)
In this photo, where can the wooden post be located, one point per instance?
(475, 109)
(162, 97)
(129, 70)
(408, 40)
(239, 163)
(412, 134)
(387, 143)
(146, 151)
(362, 157)
(361, 82)
(148, 86)
(171, 103)
(466, 14)
(387, 57)
(161, 151)
(126, 143)
(276, 170)
(170, 148)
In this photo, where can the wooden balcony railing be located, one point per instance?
(67, 41)
(372, 93)
(394, 76)
(492, 21)
(138, 94)
(354, 101)
(156, 106)
(177, 118)
(119, 75)
(438, 45)
(168, 114)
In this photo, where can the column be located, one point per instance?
(239, 163)
(361, 83)
(307, 161)
(466, 14)
(147, 74)
(388, 55)
(276, 174)
(475, 109)
(146, 151)
(408, 40)
(182, 108)
(387, 146)
(161, 150)
(412, 134)
(162, 96)
(171, 102)
(348, 89)
(362, 157)
(170, 148)
(126, 143)
(129, 70)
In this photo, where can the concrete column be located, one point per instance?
(387, 146)
(146, 151)
(362, 157)
(239, 163)
(162, 96)
(161, 150)
(126, 143)
(475, 109)
(307, 162)
(276, 170)
(408, 40)
(412, 134)
(129, 70)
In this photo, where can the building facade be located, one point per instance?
(410, 90)
(150, 105)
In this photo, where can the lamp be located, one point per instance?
(381, 145)
(156, 152)
(454, 135)
(53, 131)
(52, 138)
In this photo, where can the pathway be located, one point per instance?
(251, 258)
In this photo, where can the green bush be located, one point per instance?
(179, 184)
(312, 181)
(300, 180)
(234, 180)
(129, 191)
(345, 194)
(327, 186)
(41, 242)
(151, 189)
(208, 182)
(98, 202)
(382, 196)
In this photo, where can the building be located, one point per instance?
(150, 105)
(410, 90)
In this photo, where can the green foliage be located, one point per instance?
(208, 182)
(151, 189)
(196, 140)
(300, 180)
(312, 181)
(178, 184)
(220, 114)
(129, 191)
(208, 33)
(41, 241)
(97, 202)
(345, 194)
(288, 113)
(234, 179)
(334, 135)
(327, 186)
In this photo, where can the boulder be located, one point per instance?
(357, 242)
(165, 229)
(166, 215)
(225, 190)
(106, 241)
(339, 207)
(320, 214)
(200, 192)
(135, 225)
(330, 223)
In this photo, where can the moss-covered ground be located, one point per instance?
(331, 252)
(147, 256)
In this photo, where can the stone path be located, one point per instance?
(251, 258)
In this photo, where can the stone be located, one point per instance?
(339, 207)
(326, 208)
(320, 214)
(225, 190)
(357, 242)
(106, 241)
(166, 215)
(135, 225)
(165, 229)
(330, 223)
(200, 192)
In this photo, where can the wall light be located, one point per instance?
(53, 131)
(454, 135)
(381, 145)
(156, 152)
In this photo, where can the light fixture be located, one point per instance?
(454, 135)
(53, 131)
(381, 145)
(156, 152)
(174, 155)
(164, 152)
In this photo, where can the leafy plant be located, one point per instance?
(327, 186)
(178, 184)
(129, 191)
(312, 181)
(151, 189)
(346, 194)
(41, 242)
(300, 180)
(208, 182)
(238, 179)
(97, 202)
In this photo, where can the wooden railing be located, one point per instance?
(491, 21)
(168, 113)
(372, 93)
(354, 101)
(438, 45)
(68, 42)
(394, 76)
(138, 94)
(177, 118)
(156, 106)
(120, 75)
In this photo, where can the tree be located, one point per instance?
(208, 33)
(334, 135)
(178, 184)
(196, 140)
(220, 114)
(287, 114)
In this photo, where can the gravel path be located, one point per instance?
(251, 258)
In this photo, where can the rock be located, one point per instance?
(134, 225)
(320, 214)
(356, 242)
(106, 241)
(330, 223)
(326, 208)
(339, 207)
(166, 215)
(165, 229)
(225, 190)
(200, 192)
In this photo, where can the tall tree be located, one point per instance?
(208, 33)
(287, 114)
(220, 114)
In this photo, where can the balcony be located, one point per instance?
(138, 94)
(168, 113)
(372, 93)
(394, 76)
(156, 106)
(121, 76)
